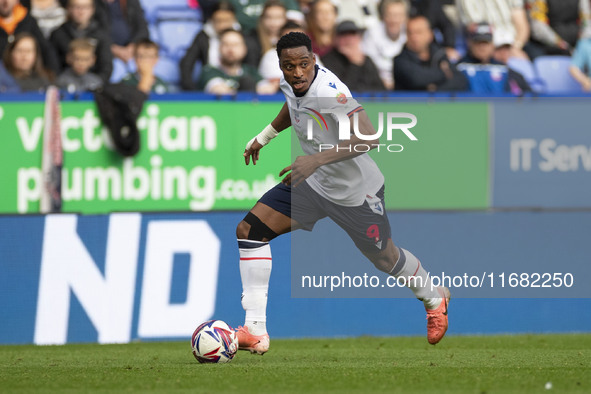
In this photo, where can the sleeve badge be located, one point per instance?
(341, 98)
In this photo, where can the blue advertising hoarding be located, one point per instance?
(129, 276)
(475, 254)
(542, 153)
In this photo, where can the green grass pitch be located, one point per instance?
(486, 364)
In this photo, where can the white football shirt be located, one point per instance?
(349, 182)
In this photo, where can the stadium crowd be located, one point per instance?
(223, 47)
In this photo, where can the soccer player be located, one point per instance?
(343, 184)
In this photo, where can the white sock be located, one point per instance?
(417, 279)
(255, 271)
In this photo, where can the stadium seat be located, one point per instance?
(526, 68)
(177, 36)
(150, 6)
(120, 69)
(154, 35)
(168, 70)
(553, 71)
(175, 13)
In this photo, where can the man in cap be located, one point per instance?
(348, 61)
(485, 74)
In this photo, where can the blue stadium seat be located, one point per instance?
(176, 13)
(526, 68)
(120, 69)
(553, 71)
(154, 35)
(168, 70)
(150, 6)
(177, 36)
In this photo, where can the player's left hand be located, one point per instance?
(302, 168)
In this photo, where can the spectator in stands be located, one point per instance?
(485, 74)
(272, 19)
(146, 57)
(14, 19)
(49, 15)
(22, 60)
(80, 24)
(322, 21)
(508, 17)
(205, 48)
(125, 22)
(556, 25)
(422, 64)
(78, 77)
(580, 68)
(433, 11)
(503, 47)
(248, 12)
(348, 61)
(384, 41)
(232, 75)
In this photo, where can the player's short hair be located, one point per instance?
(82, 44)
(294, 40)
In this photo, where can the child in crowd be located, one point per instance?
(78, 77)
(146, 57)
(81, 24)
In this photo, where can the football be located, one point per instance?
(214, 342)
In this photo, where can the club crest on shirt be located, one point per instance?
(341, 98)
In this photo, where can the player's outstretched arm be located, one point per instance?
(281, 122)
(304, 166)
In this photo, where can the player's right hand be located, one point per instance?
(253, 149)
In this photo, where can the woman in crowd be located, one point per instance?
(322, 20)
(268, 29)
(22, 61)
